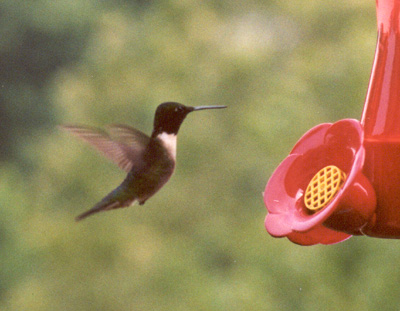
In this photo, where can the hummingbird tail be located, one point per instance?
(97, 208)
(108, 203)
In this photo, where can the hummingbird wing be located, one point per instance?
(129, 136)
(121, 146)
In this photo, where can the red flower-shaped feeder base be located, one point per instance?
(319, 194)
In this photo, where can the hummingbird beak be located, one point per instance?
(207, 107)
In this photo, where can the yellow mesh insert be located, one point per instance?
(323, 187)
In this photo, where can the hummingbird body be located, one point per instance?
(149, 161)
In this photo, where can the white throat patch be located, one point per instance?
(169, 141)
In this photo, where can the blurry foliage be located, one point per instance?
(199, 244)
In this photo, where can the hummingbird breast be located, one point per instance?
(157, 166)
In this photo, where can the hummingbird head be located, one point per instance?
(170, 115)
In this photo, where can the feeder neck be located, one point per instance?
(381, 115)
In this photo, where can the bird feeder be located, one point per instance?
(343, 179)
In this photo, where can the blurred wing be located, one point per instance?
(129, 136)
(117, 150)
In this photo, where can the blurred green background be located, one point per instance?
(282, 67)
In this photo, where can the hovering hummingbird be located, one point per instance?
(149, 161)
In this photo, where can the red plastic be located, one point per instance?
(381, 120)
(338, 144)
(368, 152)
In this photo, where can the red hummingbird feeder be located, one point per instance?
(343, 179)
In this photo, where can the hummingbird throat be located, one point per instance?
(169, 141)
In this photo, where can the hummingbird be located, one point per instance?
(148, 161)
